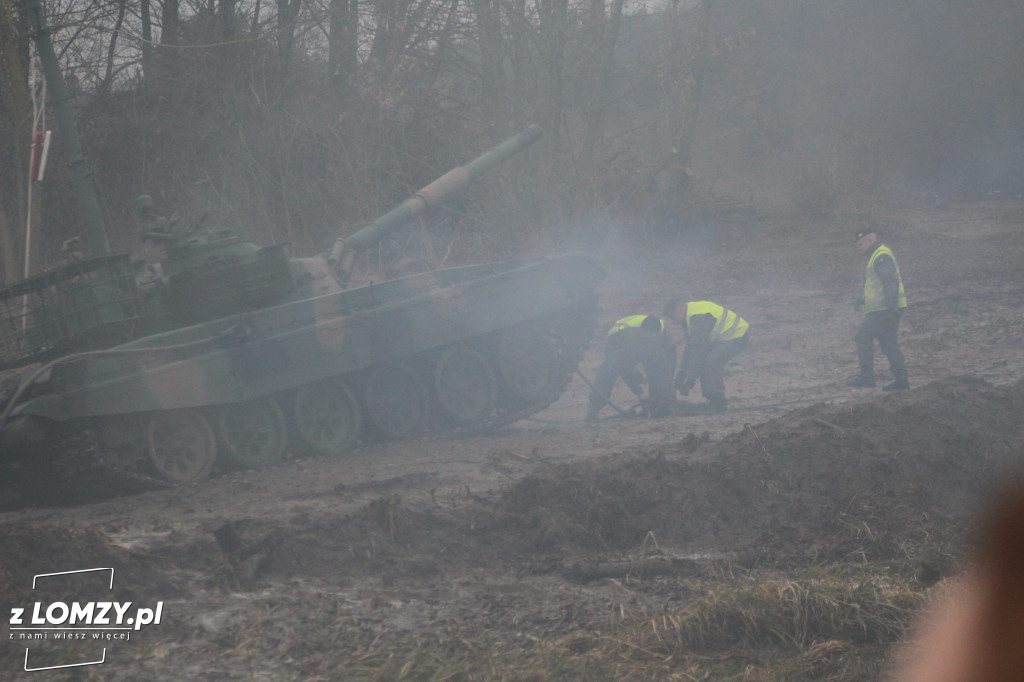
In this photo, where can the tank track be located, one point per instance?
(80, 463)
(574, 343)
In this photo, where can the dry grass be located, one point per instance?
(786, 612)
(765, 628)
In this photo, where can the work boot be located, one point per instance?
(861, 381)
(900, 384)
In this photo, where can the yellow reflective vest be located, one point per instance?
(728, 325)
(874, 298)
(632, 321)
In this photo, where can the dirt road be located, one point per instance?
(452, 557)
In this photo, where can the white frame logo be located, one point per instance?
(96, 617)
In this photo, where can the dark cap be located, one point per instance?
(862, 233)
(652, 323)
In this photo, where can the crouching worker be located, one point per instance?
(637, 340)
(713, 337)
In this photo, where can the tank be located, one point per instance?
(225, 354)
(220, 353)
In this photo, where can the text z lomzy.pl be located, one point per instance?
(88, 615)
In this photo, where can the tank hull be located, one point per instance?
(456, 348)
(245, 356)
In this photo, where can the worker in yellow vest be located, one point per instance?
(884, 302)
(637, 340)
(713, 336)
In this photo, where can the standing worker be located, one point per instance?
(884, 301)
(636, 340)
(713, 335)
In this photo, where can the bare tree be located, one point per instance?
(343, 44)
(15, 128)
(108, 75)
(170, 24)
(146, 26)
(602, 25)
(287, 19)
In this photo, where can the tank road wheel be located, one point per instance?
(396, 401)
(181, 445)
(326, 417)
(465, 385)
(254, 433)
(528, 363)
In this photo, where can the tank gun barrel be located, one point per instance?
(453, 181)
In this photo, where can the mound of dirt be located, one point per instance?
(821, 482)
(890, 480)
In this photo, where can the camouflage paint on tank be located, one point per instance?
(249, 355)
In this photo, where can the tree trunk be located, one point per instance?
(552, 38)
(12, 265)
(146, 16)
(287, 15)
(604, 40)
(16, 109)
(342, 45)
(226, 13)
(489, 38)
(684, 139)
(170, 21)
(108, 74)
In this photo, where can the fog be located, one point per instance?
(815, 101)
(654, 119)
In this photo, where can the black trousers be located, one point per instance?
(882, 325)
(712, 375)
(625, 350)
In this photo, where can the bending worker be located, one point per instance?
(884, 302)
(713, 336)
(632, 341)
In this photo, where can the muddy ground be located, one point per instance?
(795, 536)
